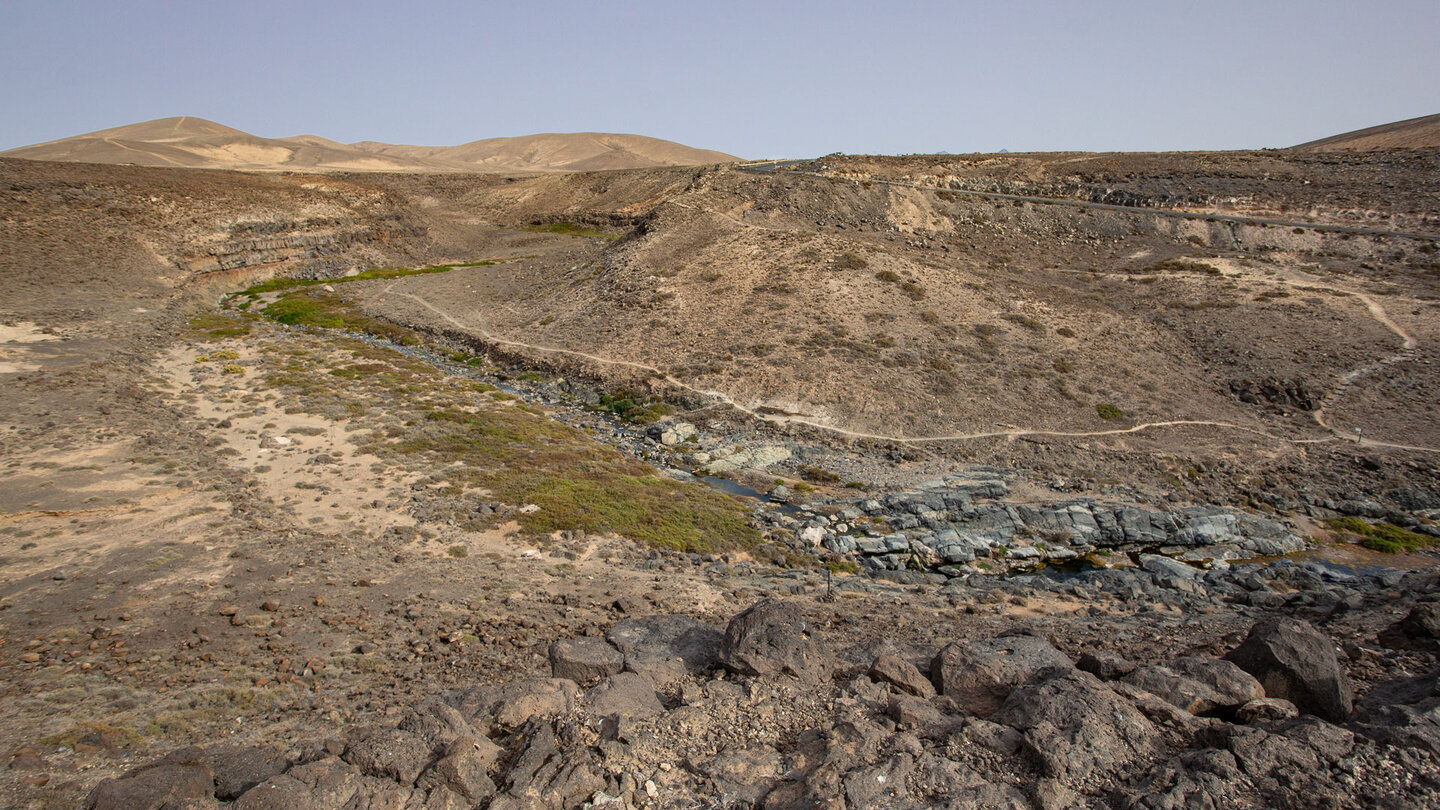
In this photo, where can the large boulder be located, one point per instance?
(979, 675)
(391, 753)
(626, 694)
(504, 706)
(900, 674)
(583, 660)
(1075, 726)
(1404, 711)
(324, 783)
(238, 768)
(1419, 630)
(1199, 685)
(772, 637)
(666, 646)
(1294, 661)
(175, 778)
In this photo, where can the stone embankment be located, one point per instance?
(957, 526)
(779, 710)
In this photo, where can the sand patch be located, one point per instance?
(24, 332)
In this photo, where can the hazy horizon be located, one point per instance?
(802, 79)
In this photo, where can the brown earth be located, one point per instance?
(227, 547)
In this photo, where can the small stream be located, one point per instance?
(1052, 570)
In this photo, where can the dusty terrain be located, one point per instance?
(194, 143)
(220, 528)
(1411, 133)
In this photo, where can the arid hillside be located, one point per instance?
(189, 142)
(1412, 133)
(893, 298)
(1022, 481)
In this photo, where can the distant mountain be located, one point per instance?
(1414, 133)
(200, 144)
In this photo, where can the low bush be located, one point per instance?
(1109, 412)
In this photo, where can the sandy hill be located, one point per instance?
(1413, 133)
(200, 144)
(579, 151)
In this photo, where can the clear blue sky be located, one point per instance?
(750, 78)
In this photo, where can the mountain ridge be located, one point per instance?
(190, 142)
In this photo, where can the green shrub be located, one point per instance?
(1109, 412)
(569, 229)
(1381, 536)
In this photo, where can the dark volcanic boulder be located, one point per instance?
(978, 675)
(666, 647)
(177, 777)
(1198, 685)
(391, 753)
(1404, 711)
(627, 694)
(583, 660)
(1294, 661)
(1075, 726)
(772, 637)
(900, 674)
(1417, 631)
(238, 768)
(323, 783)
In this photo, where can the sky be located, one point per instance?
(754, 79)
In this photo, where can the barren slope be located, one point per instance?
(910, 312)
(1412, 133)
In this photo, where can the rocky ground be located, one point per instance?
(322, 546)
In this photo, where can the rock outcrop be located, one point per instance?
(1007, 723)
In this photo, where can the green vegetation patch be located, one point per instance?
(278, 284)
(326, 310)
(1381, 536)
(1109, 412)
(218, 326)
(569, 229)
(579, 484)
(1180, 266)
(635, 407)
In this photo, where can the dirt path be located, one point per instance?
(759, 413)
(1407, 352)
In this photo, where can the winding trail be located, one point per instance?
(1407, 351)
(1010, 434)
